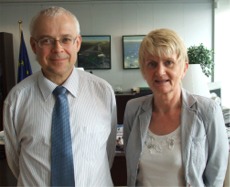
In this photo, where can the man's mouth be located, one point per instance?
(161, 81)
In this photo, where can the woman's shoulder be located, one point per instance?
(139, 101)
(200, 104)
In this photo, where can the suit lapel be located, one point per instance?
(188, 119)
(144, 118)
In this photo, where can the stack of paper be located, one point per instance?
(226, 113)
(1, 137)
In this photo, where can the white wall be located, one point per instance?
(222, 49)
(191, 19)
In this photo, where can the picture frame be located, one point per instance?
(95, 52)
(130, 45)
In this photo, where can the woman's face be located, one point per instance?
(164, 74)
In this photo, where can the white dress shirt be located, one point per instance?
(27, 125)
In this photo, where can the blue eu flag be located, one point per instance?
(24, 68)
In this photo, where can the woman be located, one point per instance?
(172, 137)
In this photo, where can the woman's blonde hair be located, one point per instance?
(162, 43)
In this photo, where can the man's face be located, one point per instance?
(56, 44)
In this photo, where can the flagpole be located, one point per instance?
(24, 68)
(20, 26)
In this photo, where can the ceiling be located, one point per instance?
(64, 1)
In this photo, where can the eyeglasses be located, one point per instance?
(49, 42)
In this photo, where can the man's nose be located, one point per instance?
(57, 45)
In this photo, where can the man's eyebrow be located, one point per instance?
(48, 36)
(44, 36)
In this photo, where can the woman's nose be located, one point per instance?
(160, 69)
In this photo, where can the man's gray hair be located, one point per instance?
(52, 12)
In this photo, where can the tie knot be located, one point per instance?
(59, 90)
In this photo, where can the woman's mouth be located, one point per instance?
(162, 81)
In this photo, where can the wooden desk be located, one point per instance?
(122, 99)
(6, 176)
(118, 170)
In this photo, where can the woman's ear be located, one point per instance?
(184, 70)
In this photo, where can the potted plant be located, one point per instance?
(203, 56)
(200, 64)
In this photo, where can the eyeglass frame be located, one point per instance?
(53, 42)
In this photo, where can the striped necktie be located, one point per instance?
(62, 171)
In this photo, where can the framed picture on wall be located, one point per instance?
(95, 52)
(131, 44)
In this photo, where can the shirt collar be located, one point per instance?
(71, 84)
(46, 86)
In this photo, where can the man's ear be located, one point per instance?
(33, 44)
(78, 42)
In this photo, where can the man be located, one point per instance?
(29, 110)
